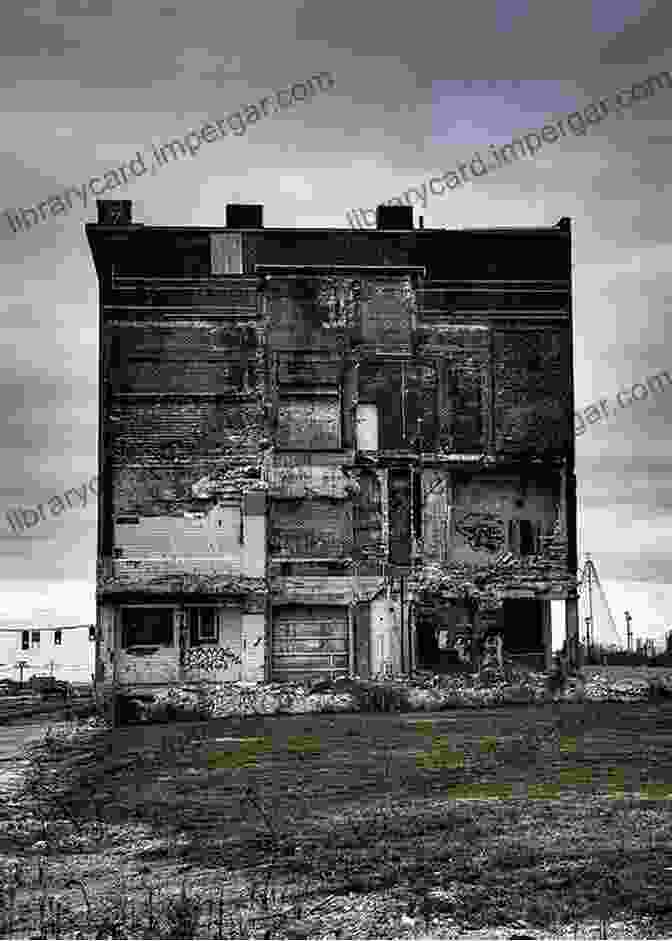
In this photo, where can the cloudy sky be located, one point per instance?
(418, 88)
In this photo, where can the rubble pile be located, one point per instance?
(175, 702)
(248, 699)
(602, 688)
(487, 688)
(492, 686)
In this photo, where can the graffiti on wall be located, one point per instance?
(481, 530)
(210, 658)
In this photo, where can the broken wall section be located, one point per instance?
(494, 534)
(186, 433)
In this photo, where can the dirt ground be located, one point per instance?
(534, 821)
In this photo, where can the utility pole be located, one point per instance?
(588, 645)
(51, 667)
(21, 666)
(628, 629)
(589, 619)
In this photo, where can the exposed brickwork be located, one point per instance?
(301, 368)
(462, 355)
(210, 378)
(177, 430)
(307, 480)
(367, 517)
(154, 577)
(309, 423)
(531, 391)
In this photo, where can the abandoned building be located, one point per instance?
(329, 451)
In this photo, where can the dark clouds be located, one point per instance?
(419, 87)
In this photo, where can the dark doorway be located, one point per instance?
(438, 635)
(524, 631)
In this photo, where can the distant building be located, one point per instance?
(67, 652)
(326, 451)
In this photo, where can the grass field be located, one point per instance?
(538, 820)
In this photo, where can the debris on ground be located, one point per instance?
(420, 691)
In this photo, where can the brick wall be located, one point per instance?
(301, 480)
(215, 359)
(178, 430)
(532, 396)
(462, 356)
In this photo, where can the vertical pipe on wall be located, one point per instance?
(547, 635)
(351, 638)
(268, 653)
(402, 629)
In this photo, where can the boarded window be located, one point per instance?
(309, 423)
(226, 253)
(146, 626)
(318, 527)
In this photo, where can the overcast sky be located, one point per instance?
(418, 88)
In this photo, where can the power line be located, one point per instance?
(56, 627)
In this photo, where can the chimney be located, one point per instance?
(394, 217)
(115, 211)
(244, 216)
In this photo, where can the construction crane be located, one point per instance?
(595, 600)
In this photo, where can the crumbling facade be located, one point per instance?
(330, 451)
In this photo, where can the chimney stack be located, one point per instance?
(244, 216)
(394, 217)
(115, 211)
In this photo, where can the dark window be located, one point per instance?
(203, 626)
(35, 638)
(25, 640)
(523, 537)
(417, 505)
(146, 626)
(58, 638)
(400, 517)
(92, 632)
(527, 540)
